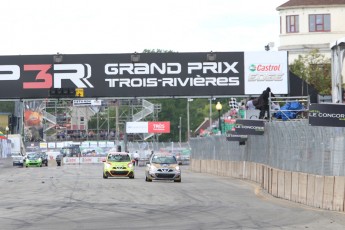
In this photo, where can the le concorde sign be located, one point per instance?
(152, 75)
(332, 115)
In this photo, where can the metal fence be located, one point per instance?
(157, 146)
(291, 145)
(144, 149)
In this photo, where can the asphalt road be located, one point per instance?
(77, 197)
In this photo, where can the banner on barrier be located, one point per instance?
(332, 115)
(83, 160)
(249, 127)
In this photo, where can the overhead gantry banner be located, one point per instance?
(144, 75)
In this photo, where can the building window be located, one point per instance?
(319, 23)
(292, 25)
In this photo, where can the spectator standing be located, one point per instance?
(242, 110)
(263, 103)
(136, 158)
(250, 105)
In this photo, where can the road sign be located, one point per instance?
(87, 102)
(79, 92)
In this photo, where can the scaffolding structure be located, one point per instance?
(281, 106)
(63, 120)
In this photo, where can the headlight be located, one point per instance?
(177, 168)
(152, 168)
(130, 165)
(107, 165)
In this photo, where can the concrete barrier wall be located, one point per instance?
(281, 184)
(318, 192)
(52, 163)
(328, 193)
(311, 190)
(325, 192)
(339, 194)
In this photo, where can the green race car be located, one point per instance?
(33, 160)
(118, 164)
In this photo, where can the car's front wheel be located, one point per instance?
(179, 180)
(105, 176)
(148, 179)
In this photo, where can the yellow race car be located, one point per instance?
(118, 164)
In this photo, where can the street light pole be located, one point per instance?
(188, 133)
(180, 131)
(211, 114)
(188, 121)
(219, 108)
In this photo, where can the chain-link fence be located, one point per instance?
(291, 145)
(144, 149)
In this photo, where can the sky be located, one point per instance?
(34, 27)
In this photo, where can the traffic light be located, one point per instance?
(62, 92)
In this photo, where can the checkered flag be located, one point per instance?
(233, 103)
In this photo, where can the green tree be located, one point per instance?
(7, 106)
(199, 109)
(315, 69)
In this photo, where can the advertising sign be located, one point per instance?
(33, 120)
(159, 127)
(266, 69)
(232, 136)
(87, 102)
(249, 127)
(332, 115)
(137, 127)
(245, 127)
(149, 75)
(148, 127)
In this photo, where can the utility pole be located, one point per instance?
(211, 114)
(188, 128)
(117, 128)
(180, 131)
(188, 119)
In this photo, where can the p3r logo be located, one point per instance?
(77, 73)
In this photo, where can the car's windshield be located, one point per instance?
(118, 158)
(164, 160)
(33, 157)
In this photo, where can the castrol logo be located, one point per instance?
(264, 67)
